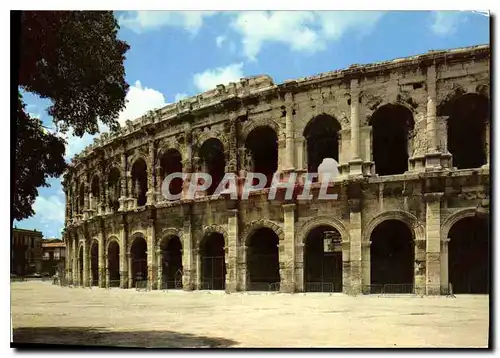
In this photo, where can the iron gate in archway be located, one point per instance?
(213, 273)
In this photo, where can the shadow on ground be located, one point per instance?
(95, 336)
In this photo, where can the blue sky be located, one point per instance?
(179, 54)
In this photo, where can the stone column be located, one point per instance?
(187, 250)
(289, 133)
(86, 198)
(299, 153)
(150, 194)
(86, 264)
(124, 268)
(123, 183)
(487, 143)
(444, 266)
(355, 161)
(354, 286)
(152, 264)
(242, 267)
(102, 262)
(75, 264)
(433, 242)
(232, 248)
(287, 254)
(433, 156)
(198, 285)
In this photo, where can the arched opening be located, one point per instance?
(94, 263)
(262, 142)
(468, 255)
(140, 181)
(323, 260)
(263, 261)
(171, 162)
(171, 248)
(139, 258)
(322, 140)
(392, 258)
(468, 118)
(213, 162)
(392, 126)
(94, 189)
(213, 264)
(114, 264)
(81, 199)
(114, 189)
(80, 266)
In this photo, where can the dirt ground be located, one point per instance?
(43, 313)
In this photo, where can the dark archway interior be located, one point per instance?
(114, 264)
(322, 269)
(94, 189)
(391, 128)
(114, 189)
(263, 145)
(263, 260)
(80, 266)
(94, 264)
(140, 181)
(213, 264)
(468, 256)
(212, 156)
(467, 124)
(81, 201)
(171, 162)
(321, 134)
(392, 256)
(139, 261)
(172, 263)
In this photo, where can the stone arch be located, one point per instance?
(214, 228)
(252, 124)
(204, 136)
(417, 229)
(111, 239)
(167, 234)
(483, 90)
(262, 223)
(165, 149)
(134, 158)
(340, 117)
(136, 235)
(444, 104)
(310, 224)
(454, 218)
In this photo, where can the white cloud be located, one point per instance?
(209, 79)
(49, 209)
(143, 21)
(139, 100)
(219, 40)
(446, 22)
(305, 31)
(180, 96)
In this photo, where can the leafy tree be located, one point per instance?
(75, 59)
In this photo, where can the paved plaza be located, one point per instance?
(44, 313)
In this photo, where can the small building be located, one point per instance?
(53, 255)
(26, 252)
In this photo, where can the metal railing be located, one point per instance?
(141, 285)
(319, 287)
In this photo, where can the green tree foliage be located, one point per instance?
(75, 59)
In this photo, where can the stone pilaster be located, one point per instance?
(365, 266)
(299, 266)
(242, 267)
(102, 261)
(130, 273)
(231, 257)
(152, 264)
(159, 264)
(433, 242)
(86, 264)
(444, 279)
(75, 260)
(124, 267)
(187, 250)
(299, 153)
(287, 254)
(354, 286)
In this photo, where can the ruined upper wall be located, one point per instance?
(264, 84)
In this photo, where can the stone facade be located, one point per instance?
(429, 196)
(26, 252)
